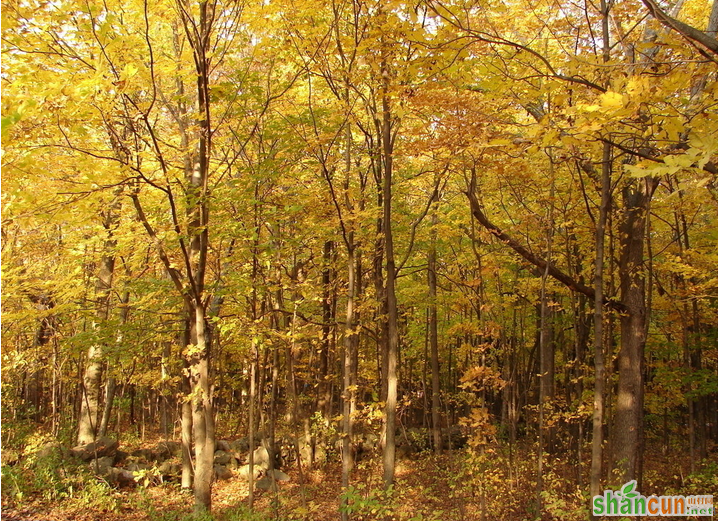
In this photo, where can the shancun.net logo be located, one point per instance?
(628, 502)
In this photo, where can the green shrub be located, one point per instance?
(46, 472)
(367, 505)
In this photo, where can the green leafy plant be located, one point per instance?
(364, 504)
(148, 477)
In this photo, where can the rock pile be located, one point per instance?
(163, 462)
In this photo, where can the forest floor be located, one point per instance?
(428, 488)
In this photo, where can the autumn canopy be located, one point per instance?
(347, 231)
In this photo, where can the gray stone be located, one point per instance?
(370, 442)
(222, 472)
(223, 446)
(145, 454)
(134, 467)
(50, 448)
(170, 468)
(102, 465)
(243, 472)
(305, 451)
(104, 446)
(280, 476)
(169, 449)
(261, 458)
(241, 445)
(264, 484)
(222, 458)
(121, 456)
(120, 476)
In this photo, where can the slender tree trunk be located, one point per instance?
(56, 393)
(254, 354)
(324, 398)
(546, 354)
(433, 334)
(380, 292)
(392, 345)
(599, 363)
(109, 400)
(186, 436)
(252, 432)
(111, 380)
(347, 392)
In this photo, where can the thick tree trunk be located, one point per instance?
(629, 401)
(90, 400)
(89, 406)
(202, 415)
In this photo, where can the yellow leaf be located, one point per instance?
(611, 100)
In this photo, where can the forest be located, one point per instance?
(357, 259)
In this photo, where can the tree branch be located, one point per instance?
(532, 258)
(689, 32)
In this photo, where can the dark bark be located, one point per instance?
(324, 398)
(524, 252)
(599, 359)
(433, 336)
(392, 341)
(691, 33)
(629, 400)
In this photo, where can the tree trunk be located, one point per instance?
(347, 393)
(202, 415)
(252, 430)
(89, 406)
(324, 397)
(629, 401)
(598, 361)
(109, 400)
(112, 381)
(392, 340)
(433, 335)
(546, 352)
(186, 435)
